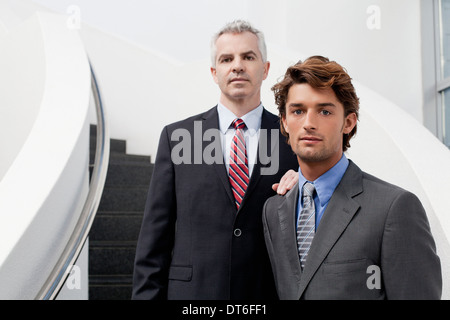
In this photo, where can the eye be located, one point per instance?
(225, 60)
(249, 57)
(297, 111)
(325, 112)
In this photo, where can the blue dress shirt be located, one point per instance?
(324, 185)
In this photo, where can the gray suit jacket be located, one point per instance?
(372, 233)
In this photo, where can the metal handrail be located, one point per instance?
(60, 272)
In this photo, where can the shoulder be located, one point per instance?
(189, 122)
(375, 184)
(269, 120)
(277, 201)
(355, 177)
(375, 189)
(273, 202)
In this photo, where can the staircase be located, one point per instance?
(115, 230)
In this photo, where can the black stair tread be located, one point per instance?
(112, 244)
(111, 279)
(115, 145)
(119, 213)
(116, 227)
(127, 159)
(110, 292)
(111, 260)
(129, 174)
(115, 230)
(123, 199)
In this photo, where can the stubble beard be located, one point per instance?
(314, 155)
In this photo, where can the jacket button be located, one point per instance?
(237, 232)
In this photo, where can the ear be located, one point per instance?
(214, 74)
(266, 69)
(350, 122)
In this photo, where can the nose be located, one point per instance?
(238, 65)
(310, 121)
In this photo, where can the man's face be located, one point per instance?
(239, 70)
(315, 122)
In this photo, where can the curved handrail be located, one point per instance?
(55, 281)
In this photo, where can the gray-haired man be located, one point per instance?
(202, 234)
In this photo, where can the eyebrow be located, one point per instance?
(320, 105)
(251, 52)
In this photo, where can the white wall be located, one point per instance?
(385, 56)
(46, 78)
(27, 74)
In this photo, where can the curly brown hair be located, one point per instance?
(320, 73)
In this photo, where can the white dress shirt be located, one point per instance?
(253, 124)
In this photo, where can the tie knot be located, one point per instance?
(308, 189)
(238, 123)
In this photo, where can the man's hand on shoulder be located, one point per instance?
(286, 183)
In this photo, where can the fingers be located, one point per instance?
(287, 182)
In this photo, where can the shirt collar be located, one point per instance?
(252, 119)
(326, 183)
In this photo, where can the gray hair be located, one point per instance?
(238, 26)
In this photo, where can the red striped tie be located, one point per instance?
(238, 172)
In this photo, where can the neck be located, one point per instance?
(312, 170)
(240, 107)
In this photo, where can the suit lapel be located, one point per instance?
(268, 122)
(211, 121)
(337, 216)
(286, 216)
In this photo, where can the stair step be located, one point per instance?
(112, 287)
(115, 230)
(129, 174)
(111, 260)
(123, 199)
(112, 279)
(116, 226)
(115, 145)
(127, 159)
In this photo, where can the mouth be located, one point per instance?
(310, 139)
(238, 80)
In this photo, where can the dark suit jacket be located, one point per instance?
(367, 223)
(193, 243)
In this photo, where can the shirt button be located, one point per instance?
(237, 232)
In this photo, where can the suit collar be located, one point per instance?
(286, 216)
(211, 121)
(267, 141)
(335, 220)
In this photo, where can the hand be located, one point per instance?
(286, 183)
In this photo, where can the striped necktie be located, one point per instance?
(238, 171)
(306, 223)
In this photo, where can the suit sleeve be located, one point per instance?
(410, 266)
(156, 238)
